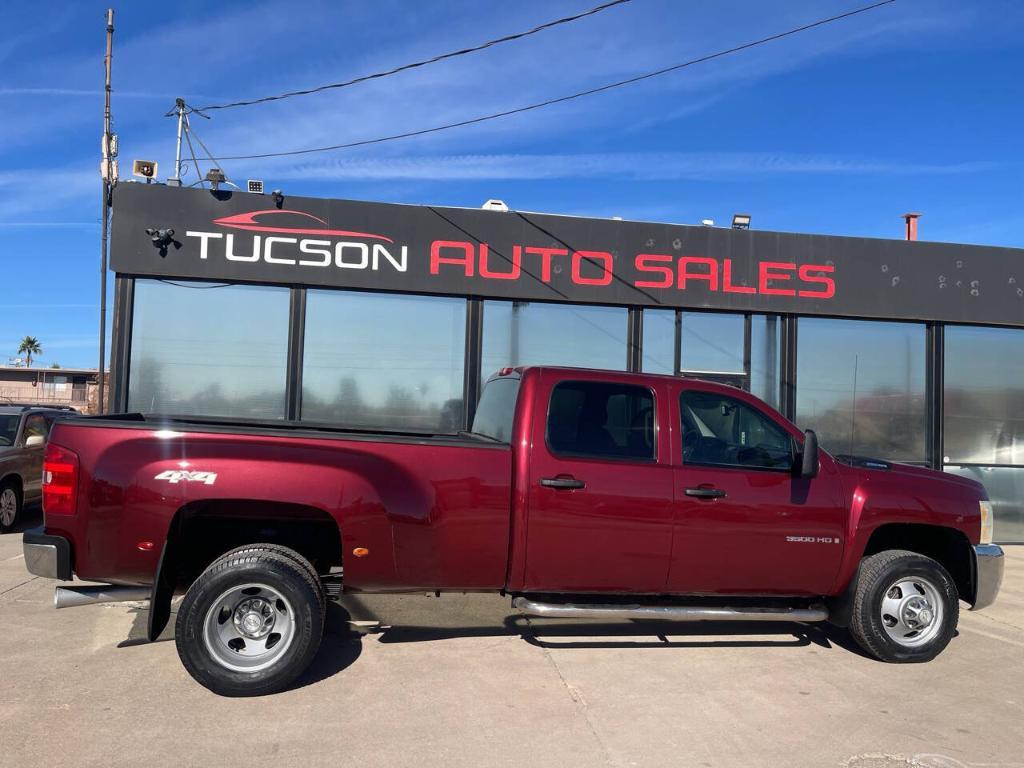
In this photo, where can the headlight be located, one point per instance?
(986, 521)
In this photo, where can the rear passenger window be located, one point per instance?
(608, 421)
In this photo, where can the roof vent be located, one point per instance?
(495, 205)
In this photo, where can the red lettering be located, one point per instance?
(648, 262)
(546, 254)
(711, 275)
(594, 256)
(517, 257)
(807, 275)
(727, 285)
(466, 259)
(768, 270)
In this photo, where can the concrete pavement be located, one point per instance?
(461, 681)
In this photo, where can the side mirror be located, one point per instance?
(809, 458)
(34, 441)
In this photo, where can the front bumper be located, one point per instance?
(48, 556)
(988, 574)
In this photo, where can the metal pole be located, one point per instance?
(107, 180)
(180, 105)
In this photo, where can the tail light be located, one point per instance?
(60, 481)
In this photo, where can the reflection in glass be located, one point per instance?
(984, 395)
(384, 360)
(765, 357)
(210, 350)
(531, 333)
(712, 342)
(861, 386)
(659, 341)
(1005, 486)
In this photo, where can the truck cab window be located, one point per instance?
(595, 419)
(724, 431)
(497, 408)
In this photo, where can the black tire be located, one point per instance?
(278, 579)
(284, 551)
(874, 626)
(10, 489)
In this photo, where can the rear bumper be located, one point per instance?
(988, 574)
(48, 556)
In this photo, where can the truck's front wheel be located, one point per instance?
(905, 607)
(250, 624)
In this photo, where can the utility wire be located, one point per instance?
(562, 99)
(425, 62)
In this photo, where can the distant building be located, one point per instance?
(76, 387)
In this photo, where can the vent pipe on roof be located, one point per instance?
(911, 220)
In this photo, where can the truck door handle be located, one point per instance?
(705, 493)
(562, 483)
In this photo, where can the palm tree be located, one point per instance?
(30, 346)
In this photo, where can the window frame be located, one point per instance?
(603, 457)
(793, 452)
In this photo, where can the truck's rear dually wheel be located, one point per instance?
(905, 607)
(251, 623)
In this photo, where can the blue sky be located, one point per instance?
(912, 107)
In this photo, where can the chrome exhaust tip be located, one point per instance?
(70, 597)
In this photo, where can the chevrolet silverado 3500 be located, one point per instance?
(579, 493)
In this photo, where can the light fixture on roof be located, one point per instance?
(255, 186)
(216, 177)
(708, 222)
(495, 205)
(741, 221)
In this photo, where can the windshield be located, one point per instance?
(8, 428)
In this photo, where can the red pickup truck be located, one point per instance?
(578, 493)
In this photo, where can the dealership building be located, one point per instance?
(335, 313)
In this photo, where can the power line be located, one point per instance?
(425, 62)
(562, 99)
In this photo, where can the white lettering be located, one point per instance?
(306, 246)
(339, 255)
(379, 250)
(203, 237)
(229, 249)
(269, 257)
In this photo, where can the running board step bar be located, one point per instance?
(69, 597)
(529, 607)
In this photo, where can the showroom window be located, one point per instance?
(209, 349)
(384, 360)
(984, 418)
(984, 396)
(712, 346)
(861, 386)
(532, 333)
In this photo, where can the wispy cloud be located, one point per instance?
(626, 165)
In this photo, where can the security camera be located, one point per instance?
(161, 237)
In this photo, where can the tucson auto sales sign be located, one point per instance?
(523, 256)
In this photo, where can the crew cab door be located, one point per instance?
(599, 514)
(744, 522)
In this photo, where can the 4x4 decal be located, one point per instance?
(177, 475)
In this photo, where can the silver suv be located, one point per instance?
(23, 432)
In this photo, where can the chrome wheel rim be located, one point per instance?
(8, 506)
(249, 628)
(912, 611)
